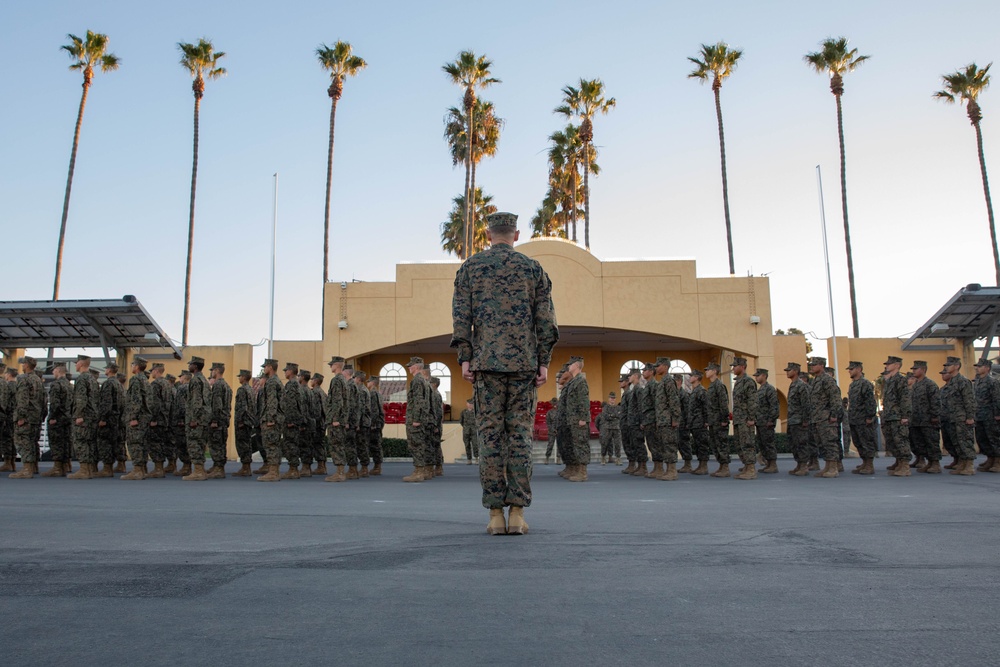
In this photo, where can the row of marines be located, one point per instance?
(679, 415)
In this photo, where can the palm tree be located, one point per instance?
(583, 103)
(471, 72)
(484, 141)
(719, 61)
(340, 62)
(966, 85)
(86, 54)
(566, 157)
(201, 60)
(836, 60)
(453, 230)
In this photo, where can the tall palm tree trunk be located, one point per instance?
(572, 215)
(847, 228)
(716, 85)
(69, 186)
(586, 195)
(334, 96)
(190, 246)
(472, 210)
(989, 202)
(470, 103)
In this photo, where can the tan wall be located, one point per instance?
(872, 352)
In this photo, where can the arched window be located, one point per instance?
(679, 366)
(629, 365)
(443, 373)
(393, 383)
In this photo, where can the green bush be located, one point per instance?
(394, 448)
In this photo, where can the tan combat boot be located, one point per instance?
(801, 469)
(56, 470)
(438, 470)
(686, 467)
(352, 472)
(291, 473)
(138, 472)
(669, 471)
(580, 475)
(996, 466)
(270, 471)
(86, 471)
(337, 476)
(105, 471)
(657, 470)
(702, 468)
(197, 475)
(867, 467)
(8, 465)
(305, 470)
(416, 476)
(497, 524)
(829, 470)
(158, 471)
(120, 467)
(565, 472)
(986, 465)
(902, 468)
(723, 470)
(640, 470)
(184, 470)
(170, 467)
(932, 467)
(771, 467)
(27, 471)
(263, 469)
(364, 471)
(629, 469)
(376, 470)
(917, 461)
(244, 471)
(320, 468)
(840, 466)
(965, 467)
(516, 525)
(813, 463)
(218, 471)
(749, 472)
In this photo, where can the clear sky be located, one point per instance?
(918, 219)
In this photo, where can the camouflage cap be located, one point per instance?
(218, 364)
(335, 360)
(817, 361)
(305, 374)
(318, 376)
(738, 361)
(374, 379)
(942, 371)
(414, 361)
(952, 361)
(361, 375)
(677, 376)
(612, 394)
(793, 366)
(919, 364)
(82, 357)
(58, 364)
(141, 361)
(113, 367)
(649, 367)
(909, 374)
(830, 370)
(170, 378)
(93, 371)
(435, 380)
(244, 373)
(195, 360)
(273, 363)
(663, 361)
(555, 399)
(623, 378)
(634, 371)
(983, 362)
(696, 373)
(761, 371)
(156, 365)
(574, 360)
(892, 360)
(291, 367)
(712, 366)
(854, 364)
(31, 361)
(501, 220)
(349, 367)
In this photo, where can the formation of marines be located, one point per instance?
(174, 422)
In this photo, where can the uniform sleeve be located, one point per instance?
(461, 314)
(546, 329)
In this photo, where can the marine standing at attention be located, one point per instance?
(504, 329)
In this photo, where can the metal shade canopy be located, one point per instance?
(971, 314)
(105, 323)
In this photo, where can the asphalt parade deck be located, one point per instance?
(618, 570)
